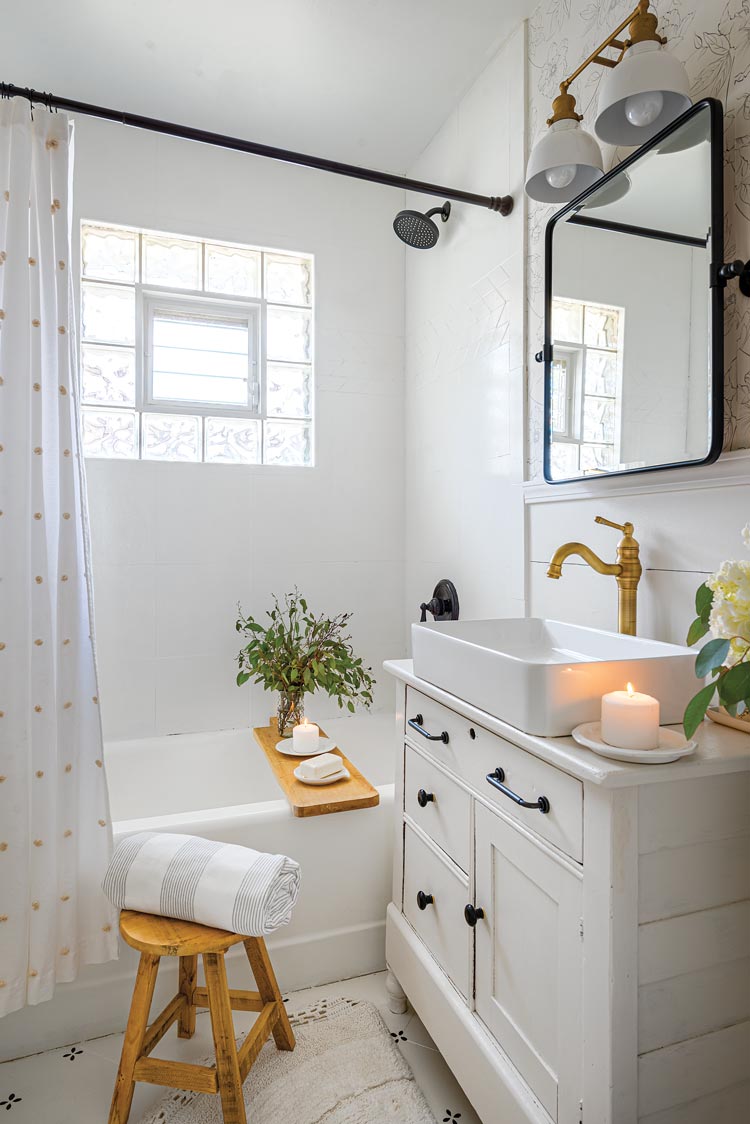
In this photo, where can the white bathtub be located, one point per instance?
(220, 786)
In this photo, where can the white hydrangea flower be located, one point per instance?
(730, 612)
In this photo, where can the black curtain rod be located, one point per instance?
(502, 203)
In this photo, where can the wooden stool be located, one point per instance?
(155, 937)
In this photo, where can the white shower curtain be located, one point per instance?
(55, 832)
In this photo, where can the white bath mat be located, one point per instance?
(345, 1069)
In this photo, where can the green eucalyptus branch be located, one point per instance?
(298, 653)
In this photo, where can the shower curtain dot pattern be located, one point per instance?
(55, 827)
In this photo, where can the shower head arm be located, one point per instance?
(443, 211)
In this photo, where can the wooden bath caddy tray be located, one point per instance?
(309, 800)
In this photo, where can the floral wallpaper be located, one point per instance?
(713, 41)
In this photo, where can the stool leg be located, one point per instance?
(188, 978)
(140, 1005)
(265, 978)
(227, 1066)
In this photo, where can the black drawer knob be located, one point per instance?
(472, 914)
(424, 798)
(423, 899)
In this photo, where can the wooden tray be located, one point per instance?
(309, 800)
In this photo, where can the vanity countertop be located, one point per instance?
(720, 749)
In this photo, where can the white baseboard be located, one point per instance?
(99, 1000)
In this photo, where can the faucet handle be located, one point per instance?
(626, 528)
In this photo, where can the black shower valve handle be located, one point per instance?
(443, 604)
(435, 606)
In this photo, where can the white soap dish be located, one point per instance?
(342, 775)
(286, 746)
(672, 746)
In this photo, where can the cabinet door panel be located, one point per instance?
(529, 961)
(441, 924)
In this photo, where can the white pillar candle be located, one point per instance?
(630, 720)
(305, 736)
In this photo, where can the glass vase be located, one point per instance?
(290, 713)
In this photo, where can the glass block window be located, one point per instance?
(585, 387)
(194, 350)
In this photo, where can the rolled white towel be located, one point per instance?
(218, 884)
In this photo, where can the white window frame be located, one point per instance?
(243, 311)
(575, 393)
(573, 353)
(254, 308)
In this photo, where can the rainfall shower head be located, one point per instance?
(418, 230)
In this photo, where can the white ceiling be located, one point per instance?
(364, 81)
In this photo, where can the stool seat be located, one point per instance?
(155, 937)
(166, 936)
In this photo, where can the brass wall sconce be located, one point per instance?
(645, 89)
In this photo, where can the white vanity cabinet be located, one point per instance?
(573, 932)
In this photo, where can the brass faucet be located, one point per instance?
(627, 569)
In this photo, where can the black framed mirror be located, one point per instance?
(633, 333)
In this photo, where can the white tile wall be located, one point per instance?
(176, 546)
(683, 534)
(465, 385)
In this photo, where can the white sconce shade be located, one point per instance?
(640, 96)
(563, 163)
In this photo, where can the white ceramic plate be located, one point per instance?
(672, 746)
(286, 746)
(342, 775)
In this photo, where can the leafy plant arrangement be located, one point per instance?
(723, 607)
(298, 653)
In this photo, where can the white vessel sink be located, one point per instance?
(546, 677)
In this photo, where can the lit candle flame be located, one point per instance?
(631, 692)
(306, 723)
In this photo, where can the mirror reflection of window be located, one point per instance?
(586, 387)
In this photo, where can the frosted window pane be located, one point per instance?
(109, 433)
(288, 280)
(108, 314)
(601, 372)
(601, 326)
(598, 419)
(559, 395)
(107, 375)
(286, 443)
(109, 254)
(232, 441)
(597, 458)
(563, 457)
(229, 270)
(171, 437)
(172, 261)
(288, 391)
(288, 336)
(567, 321)
(199, 359)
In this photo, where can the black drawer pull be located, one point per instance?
(424, 798)
(473, 914)
(496, 780)
(416, 724)
(423, 899)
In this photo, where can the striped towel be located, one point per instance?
(218, 884)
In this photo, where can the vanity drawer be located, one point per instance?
(473, 752)
(445, 811)
(441, 924)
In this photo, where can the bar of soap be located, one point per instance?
(324, 765)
